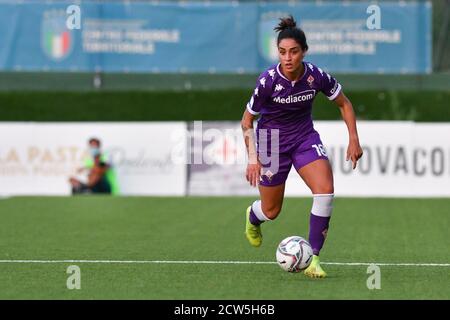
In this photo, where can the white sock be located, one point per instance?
(322, 205)
(257, 210)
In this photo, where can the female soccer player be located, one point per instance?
(283, 99)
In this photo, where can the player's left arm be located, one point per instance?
(354, 150)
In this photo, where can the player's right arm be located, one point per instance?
(253, 167)
(252, 110)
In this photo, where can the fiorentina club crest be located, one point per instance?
(310, 80)
(269, 175)
(56, 38)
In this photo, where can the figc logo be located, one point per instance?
(56, 38)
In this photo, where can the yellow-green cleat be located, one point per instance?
(252, 232)
(315, 270)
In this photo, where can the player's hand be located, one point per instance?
(354, 152)
(253, 173)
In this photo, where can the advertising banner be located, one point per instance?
(400, 159)
(363, 37)
(211, 37)
(128, 37)
(39, 158)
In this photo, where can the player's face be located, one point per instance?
(290, 54)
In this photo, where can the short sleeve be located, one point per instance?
(329, 85)
(259, 95)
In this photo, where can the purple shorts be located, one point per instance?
(306, 151)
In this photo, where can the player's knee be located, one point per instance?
(325, 188)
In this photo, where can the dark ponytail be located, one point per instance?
(287, 29)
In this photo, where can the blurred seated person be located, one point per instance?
(98, 167)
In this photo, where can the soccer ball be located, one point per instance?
(294, 254)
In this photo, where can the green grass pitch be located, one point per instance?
(212, 229)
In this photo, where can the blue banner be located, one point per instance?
(225, 37)
(390, 37)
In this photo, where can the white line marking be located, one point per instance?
(223, 262)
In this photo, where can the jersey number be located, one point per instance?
(320, 150)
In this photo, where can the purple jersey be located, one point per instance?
(287, 105)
